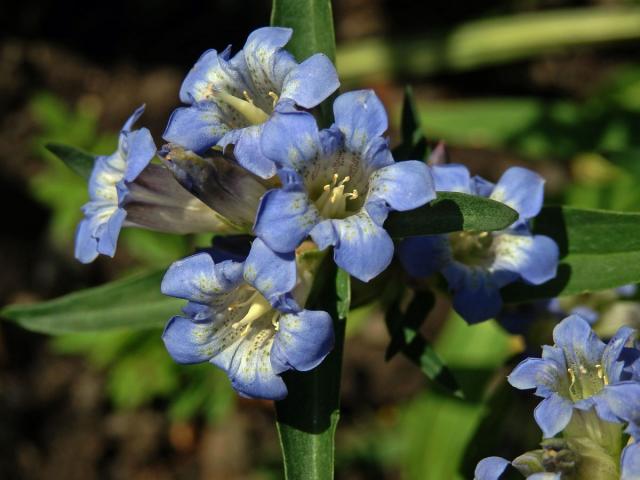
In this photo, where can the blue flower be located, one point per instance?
(230, 98)
(477, 264)
(630, 461)
(243, 318)
(493, 468)
(98, 231)
(339, 184)
(576, 373)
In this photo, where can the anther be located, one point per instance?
(246, 96)
(275, 97)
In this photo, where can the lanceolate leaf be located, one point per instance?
(135, 302)
(312, 24)
(451, 212)
(598, 250)
(414, 143)
(77, 160)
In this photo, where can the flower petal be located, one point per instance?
(272, 274)
(424, 256)
(363, 248)
(311, 82)
(86, 247)
(189, 342)
(197, 278)
(553, 414)
(535, 373)
(535, 257)
(491, 468)
(285, 218)
(403, 185)
(611, 361)
(630, 462)
(578, 342)
(107, 233)
(361, 116)
(198, 127)
(249, 154)
(476, 295)
(622, 400)
(141, 150)
(522, 190)
(303, 340)
(451, 177)
(291, 139)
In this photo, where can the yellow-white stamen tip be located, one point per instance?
(275, 97)
(246, 96)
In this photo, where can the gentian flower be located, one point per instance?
(576, 373)
(126, 190)
(243, 317)
(98, 231)
(230, 98)
(477, 264)
(339, 184)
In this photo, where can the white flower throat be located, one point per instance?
(246, 107)
(259, 308)
(332, 202)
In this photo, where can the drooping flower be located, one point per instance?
(243, 317)
(578, 372)
(98, 231)
(126, 190)
(230, 98)
(477, 264)
(339, 184)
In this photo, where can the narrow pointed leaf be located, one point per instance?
(414, 143)
(598, 250)
(134, 302)
(77, 160)
(451, 212)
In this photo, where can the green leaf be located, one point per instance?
(598, 250)
(404, 328)
(312, 24)
(134, 302)
(77, 160)
(414, 143)
(451, 212)
(343, 291)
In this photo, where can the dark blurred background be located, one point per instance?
(551, 84)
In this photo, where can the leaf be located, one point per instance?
(451, 212)
(414, 143)
(406, 338)
(312, 24)
(134, 302)
(77, 160)
(598, 250)
(343, 291)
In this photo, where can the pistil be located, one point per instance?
(254, 115)
(332, 203)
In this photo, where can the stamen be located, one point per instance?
(246, 96)
(353, 195)
(572, 376)
(246, 108)
(275, 97)
(275, 321)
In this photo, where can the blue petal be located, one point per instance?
(482, 187)
(578, 342)
(612, 362)
(491, 468)
(424, 256)
(311, 82)
(404, 185)
(452, 177)
(522, 190)
(476, 296)
(248, 365)
(272, 274)
(133, 118)
(589, 314)
(303, 340)
(285, 218)
(535, 258)
(291, 139)
(630, 462)
(627, 290)
(141, 150)
(265, 61)
(553, 414)
(197, 128)
(535, 373)
(210, 71)
(107, 233)
(361, 247)
(86, 250)
(249, 154)
(622, 400)
(189, 342)
(361, 116)
(197, 278)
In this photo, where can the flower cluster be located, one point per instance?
(590, 390)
